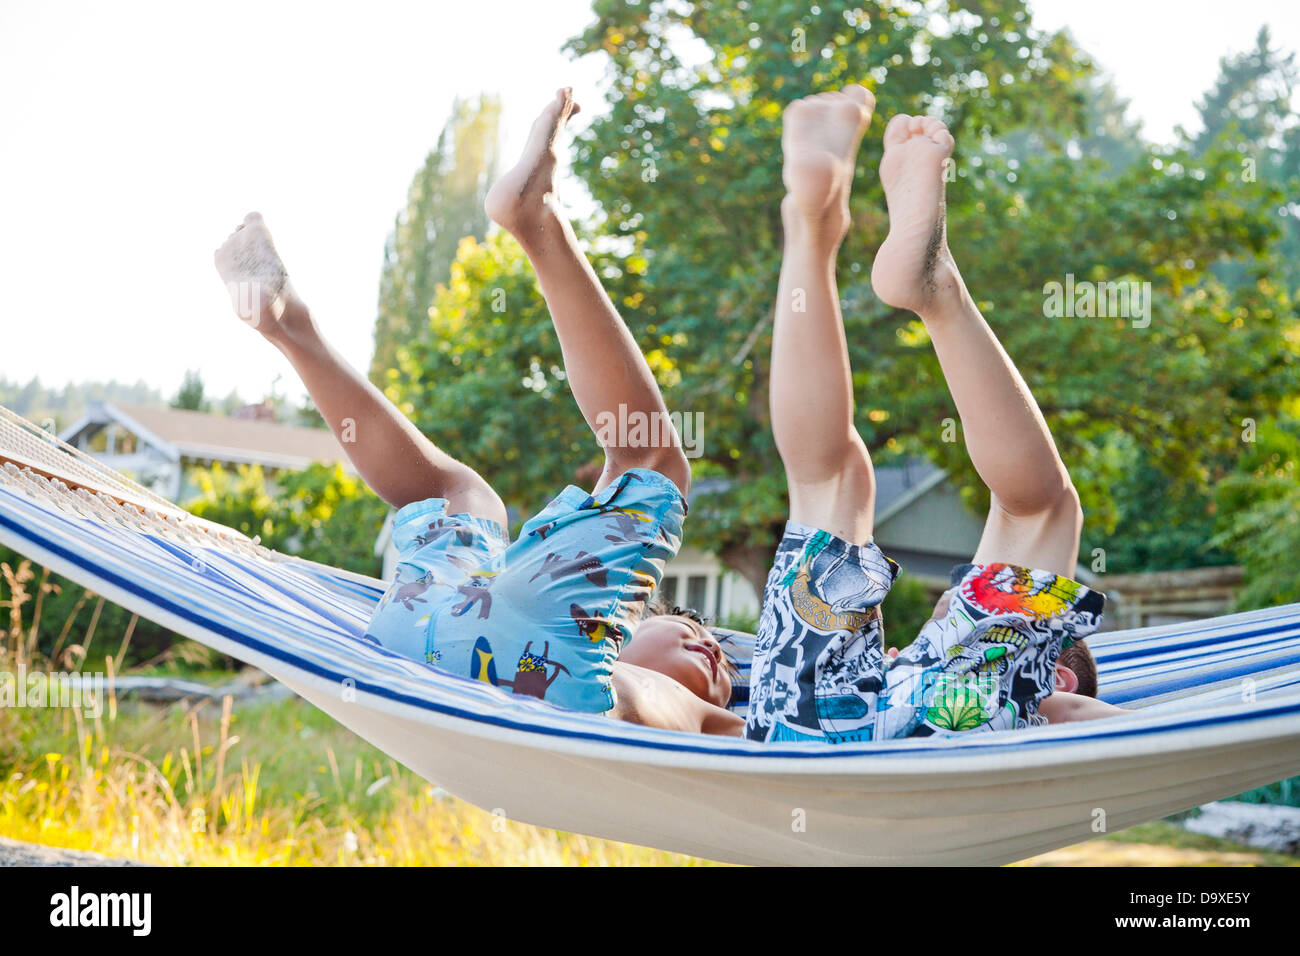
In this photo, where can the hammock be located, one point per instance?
(1219, 700)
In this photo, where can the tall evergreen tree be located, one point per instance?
(190, 396)
(1251, 97)
(1249, 107)
(444, 205)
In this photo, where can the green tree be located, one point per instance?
(308, 415)
(484, 376)
(1247, 111)
(1259, 512)
(444, 204)
(190, 395)
(230, 403)
(1251, 100)
(321, 513)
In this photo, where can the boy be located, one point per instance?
(548, 614)
(987, 659)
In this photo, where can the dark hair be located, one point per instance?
(658, 606)
(1079, 659)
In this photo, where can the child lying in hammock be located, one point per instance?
(551, 614)
(988, 658)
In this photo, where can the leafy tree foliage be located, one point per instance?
(322, 513)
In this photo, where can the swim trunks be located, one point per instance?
(545, 615)
(819, 671)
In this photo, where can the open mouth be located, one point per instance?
(713, 661)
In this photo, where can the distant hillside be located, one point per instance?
(65, 404)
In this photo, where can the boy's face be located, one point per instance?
(686, 652)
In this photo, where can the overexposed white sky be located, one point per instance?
(134, 136)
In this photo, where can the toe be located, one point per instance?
(858, 92)
(917, 125)
(897, 130)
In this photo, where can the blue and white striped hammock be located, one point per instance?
(1219, 700)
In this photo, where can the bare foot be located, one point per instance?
(256, 279)
(914, 269)
(820, 140)
(522, 199)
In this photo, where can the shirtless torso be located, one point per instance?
(653, 699)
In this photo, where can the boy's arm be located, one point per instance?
(1062, 707)
(720, 721)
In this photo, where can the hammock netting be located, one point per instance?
(1219, 703)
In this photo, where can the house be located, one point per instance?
(158, 446)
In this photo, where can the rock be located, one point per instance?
(170, 689)
(16, 853)
(1263, 825)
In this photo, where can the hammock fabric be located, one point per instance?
(1219, 700)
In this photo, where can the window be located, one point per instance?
(697, 589)
(668, 588)
(111, 439)
(127, 444)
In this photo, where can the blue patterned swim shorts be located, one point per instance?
(545, 615)
(819, 672)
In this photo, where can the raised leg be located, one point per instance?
(1035, 519)
(389, 452)
(828, 469)
(605, 368)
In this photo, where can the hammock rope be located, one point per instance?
(1219, 704)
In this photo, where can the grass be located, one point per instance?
(276, 783)
(1160, 844)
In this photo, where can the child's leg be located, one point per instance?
(390, 453)
(1035, 519)
(828, 469)
(604, 366)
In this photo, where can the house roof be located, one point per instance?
(186, 434)
(897, 486)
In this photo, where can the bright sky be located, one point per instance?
(134, 136)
